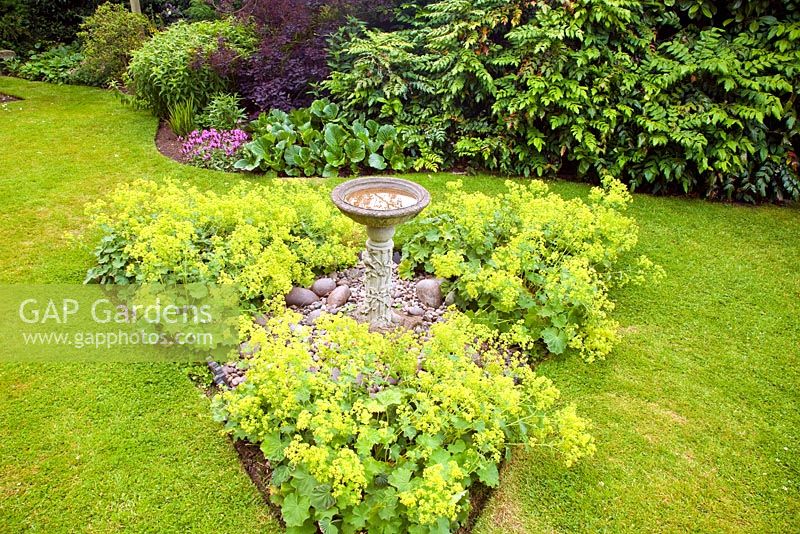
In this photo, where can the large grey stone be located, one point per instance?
(301, 297)
(429, 292)
(312, 317)
(415, 310)
(323, 286)
(7, 54)
(338, 297)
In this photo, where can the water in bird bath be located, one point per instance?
(380, 199)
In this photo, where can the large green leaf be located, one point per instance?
(400, 478)
(303, 157)
(386, 133)
(329, 171)
(321, 498)
(360, 132)
(488, 474)
(318, 108)
(372, 126)
(291, 154)
(310, 135)
(295, 509)
(280, 475)
(389, 396)
(302, 481)
(398, 163)
(555, 340)
(334, 156)
(255, 152)
(330, 111)
(272, 447)
(335, 135)
(376, 161)
(355, 150)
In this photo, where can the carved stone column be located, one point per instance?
(380, 203)
(378, 276)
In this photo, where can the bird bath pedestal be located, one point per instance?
(380, 204)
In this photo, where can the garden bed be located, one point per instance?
(8, 98)
(168, 143)
(418, 304)
(680, 353)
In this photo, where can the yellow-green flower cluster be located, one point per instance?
(259, 239)
(531, 263)
(432, 498)
(373, 430)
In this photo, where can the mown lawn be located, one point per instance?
(697, 412)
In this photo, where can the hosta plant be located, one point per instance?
(57, 65)
(318, 141)
(530, 263)
(367, 432)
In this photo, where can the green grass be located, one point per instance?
(696, 413)
(100, 447)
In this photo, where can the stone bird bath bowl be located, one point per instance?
(380, 204)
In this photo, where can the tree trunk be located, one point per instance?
(136, 6)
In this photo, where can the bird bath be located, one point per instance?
(380, 204)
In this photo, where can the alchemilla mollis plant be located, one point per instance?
(259, 239)
(532, 264)
(377, 433)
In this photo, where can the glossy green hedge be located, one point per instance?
(686, 97)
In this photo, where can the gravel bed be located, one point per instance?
(344, 293)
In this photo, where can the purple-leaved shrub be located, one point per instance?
(292, 54)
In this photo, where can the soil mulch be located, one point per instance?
(168, 143)
(7, 98)
(256, 466)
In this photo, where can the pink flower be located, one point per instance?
(206, 145)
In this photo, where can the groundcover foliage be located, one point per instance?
(678, 96)
(57, 65)
(261, 240)
(531, 264)
(386, 433)
(318, 140)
